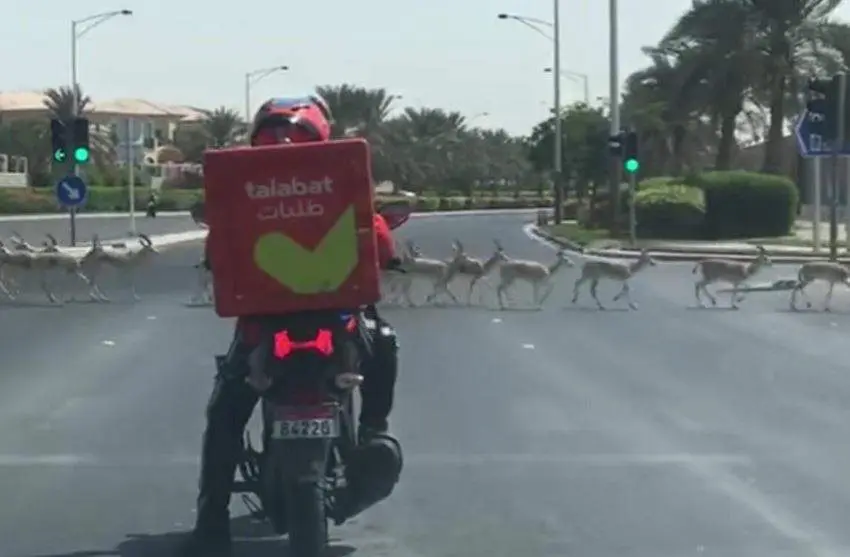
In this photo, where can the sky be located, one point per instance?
(452, 54)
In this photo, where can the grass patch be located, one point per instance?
(578, 234)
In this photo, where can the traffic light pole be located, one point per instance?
(632, 208)
(836, 168)
(72, 211)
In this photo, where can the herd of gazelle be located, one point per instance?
(20, 260)
(439, 273)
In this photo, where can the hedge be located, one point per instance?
(670, 211)
(741, 204)
(100, 199)
(108, 199)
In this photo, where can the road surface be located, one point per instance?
(665, 432)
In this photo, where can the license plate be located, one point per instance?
(300, 424)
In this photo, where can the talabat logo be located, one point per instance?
(285, 198)
(324, 269)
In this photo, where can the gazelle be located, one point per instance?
(204, 294)
(437, 272)
(537, 274)
(127, 261)
(826, 271)
(725, 270)
(473, 268)
(51, 257)
(594, 270)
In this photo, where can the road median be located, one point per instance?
(661, 251)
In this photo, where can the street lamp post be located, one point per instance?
(78, 29)
(615, 175)
(576, 75)
(555, 25)
(253, 77)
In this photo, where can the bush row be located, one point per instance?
(717, 205)
(107, 199)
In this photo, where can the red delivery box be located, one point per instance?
(291, 227)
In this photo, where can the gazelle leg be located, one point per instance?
(45, 287)
(549, 288)
(594, 284)
(577, 286)
(828, 299)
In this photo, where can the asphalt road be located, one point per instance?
(34, 231)
(668, 431)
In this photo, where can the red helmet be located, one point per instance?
(292, 120)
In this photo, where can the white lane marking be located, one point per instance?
(108, 342)
(528, 346)
(151, 317)
(424, 459)
(496, 320)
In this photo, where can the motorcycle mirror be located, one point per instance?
(396, 213)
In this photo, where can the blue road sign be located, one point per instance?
(71, 191)
(811, 143)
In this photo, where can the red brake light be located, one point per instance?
(283, 346)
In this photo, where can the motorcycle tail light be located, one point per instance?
(284, 346)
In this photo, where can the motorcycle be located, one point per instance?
(312, 467)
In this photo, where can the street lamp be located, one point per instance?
(253, 77)
(80, 27)
(576, 75)
(555, 25)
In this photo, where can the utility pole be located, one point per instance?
(615, 169)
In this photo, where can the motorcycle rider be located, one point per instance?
(232, 401)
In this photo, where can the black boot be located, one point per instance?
(229, 410)
(378, 388)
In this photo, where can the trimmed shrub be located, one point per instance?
(100, 199)
(670, 211)
(109, 199)
(657, 182)
(743, 204)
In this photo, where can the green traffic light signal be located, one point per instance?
(81, 154)
(59, 155)
(632, 166)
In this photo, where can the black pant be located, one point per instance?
(232, 402)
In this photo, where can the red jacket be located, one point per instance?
(249, 330)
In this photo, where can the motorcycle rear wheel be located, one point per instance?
(307, 521)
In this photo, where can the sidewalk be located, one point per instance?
(733, 249)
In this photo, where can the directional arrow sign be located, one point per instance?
(71, 191)
(809, 142)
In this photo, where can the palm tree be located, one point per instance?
(717, 40)
(792, 34)
(223, 127)
(663, 99)
(357, 109)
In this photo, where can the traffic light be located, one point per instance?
(81, 140)
(630, 153)
(58, 140)
(822, 105)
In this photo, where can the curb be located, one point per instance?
(158, 240)
(677, 256)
